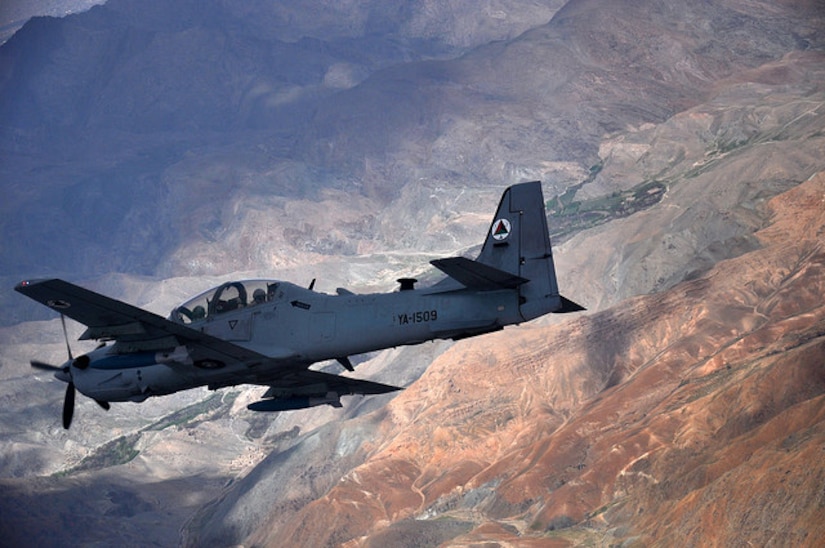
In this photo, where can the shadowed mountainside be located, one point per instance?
(193, 124)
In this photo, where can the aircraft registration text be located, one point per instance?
(417, 317)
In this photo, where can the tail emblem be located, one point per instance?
(501, 229)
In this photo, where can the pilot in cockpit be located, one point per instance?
(198, 313)
(258, 296)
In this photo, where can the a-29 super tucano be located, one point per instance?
(269, 332)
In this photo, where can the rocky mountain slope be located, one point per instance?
(695, 414)
(355, 145)
(444, 454)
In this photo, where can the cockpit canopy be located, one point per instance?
(225, 298)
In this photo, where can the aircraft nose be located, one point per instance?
(63, 374)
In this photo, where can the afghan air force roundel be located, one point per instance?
(501, 229)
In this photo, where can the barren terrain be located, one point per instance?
(693, 414)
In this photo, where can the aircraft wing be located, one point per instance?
(136, 329)
(306, 381)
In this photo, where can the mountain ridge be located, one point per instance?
(477, 119)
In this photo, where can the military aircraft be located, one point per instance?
(268, 332)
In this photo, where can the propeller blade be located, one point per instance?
(66, 336)
(104, 404)
(68, 406)
(45, 366)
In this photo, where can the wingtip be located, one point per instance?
(23, 285)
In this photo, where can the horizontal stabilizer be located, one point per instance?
(568, 306)
(476, 275)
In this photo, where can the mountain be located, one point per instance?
(475, 446)
(696, 414)
(307, 103)
(15, 13)
(154, 149)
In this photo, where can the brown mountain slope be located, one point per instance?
(695, 414)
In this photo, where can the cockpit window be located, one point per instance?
(225, 298)
(228, 297)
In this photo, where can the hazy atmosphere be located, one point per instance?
(152, 149)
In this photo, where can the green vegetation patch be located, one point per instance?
(568, 216)
(118, 451)
(187, 415)
(122, 450)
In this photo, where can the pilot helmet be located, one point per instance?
(259, 295)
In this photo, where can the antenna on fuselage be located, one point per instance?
(312, 284)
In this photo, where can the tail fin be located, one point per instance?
(519, 243)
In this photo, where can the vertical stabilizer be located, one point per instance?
(518, 242)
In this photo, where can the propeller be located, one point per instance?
(68, 405)
(47, 366)
(64, 373)
(66, 337)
